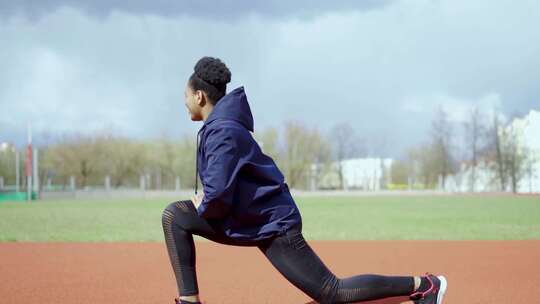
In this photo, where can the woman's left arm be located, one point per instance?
(222, 157)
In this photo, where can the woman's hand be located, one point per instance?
(197, 199)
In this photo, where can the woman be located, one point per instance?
(246, 202)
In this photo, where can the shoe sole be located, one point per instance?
(442, 289)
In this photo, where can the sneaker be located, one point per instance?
(434, 294)
(178, 301)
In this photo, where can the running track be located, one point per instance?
(478, 271)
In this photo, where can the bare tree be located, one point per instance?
(516, 156)
(125, 158)
(428, 161)
(474, 130)
(344, 145)
(511, 155)
(399, 172)
(78, 155)
(7, 164)
(423, 164)
(500, 165)
(304, 147)
(90, 158)
(441, 142)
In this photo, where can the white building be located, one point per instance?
(358, 173)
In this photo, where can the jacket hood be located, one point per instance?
(233, 106)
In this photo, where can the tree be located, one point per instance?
(516, 156)
(399, 172)
(423, 164)
(125, 160)
(441, 144)
(511, 157)
(497, 149)
(304, 147)
(474, 131)
(344, 145)
(268, 139)
(81, 156)
(185, 162)
(7, 164)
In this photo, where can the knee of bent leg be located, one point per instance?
(175, 211)
(167, 216)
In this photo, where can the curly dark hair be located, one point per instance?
(210, 75)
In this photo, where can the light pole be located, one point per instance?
(17, 172)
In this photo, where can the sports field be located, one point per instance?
(105, 251)
(328, 218)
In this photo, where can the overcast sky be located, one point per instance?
(382, 66)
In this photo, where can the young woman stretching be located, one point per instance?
(246, 202)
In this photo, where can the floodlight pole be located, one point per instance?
(17, 172)
(28, 165)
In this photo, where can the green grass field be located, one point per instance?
(328, 218)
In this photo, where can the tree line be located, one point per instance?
(161, 162)
(295, 148)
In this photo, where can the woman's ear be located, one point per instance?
(200, 97)
(203, 98)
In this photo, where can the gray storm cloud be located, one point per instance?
(220, 10)
(383, 68)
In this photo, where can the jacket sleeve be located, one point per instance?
(221, 153)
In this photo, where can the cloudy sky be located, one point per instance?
(382, 66)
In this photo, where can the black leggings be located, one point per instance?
(289, 253)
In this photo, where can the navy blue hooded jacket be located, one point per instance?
(245, 194)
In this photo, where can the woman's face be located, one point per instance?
(193, 103)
